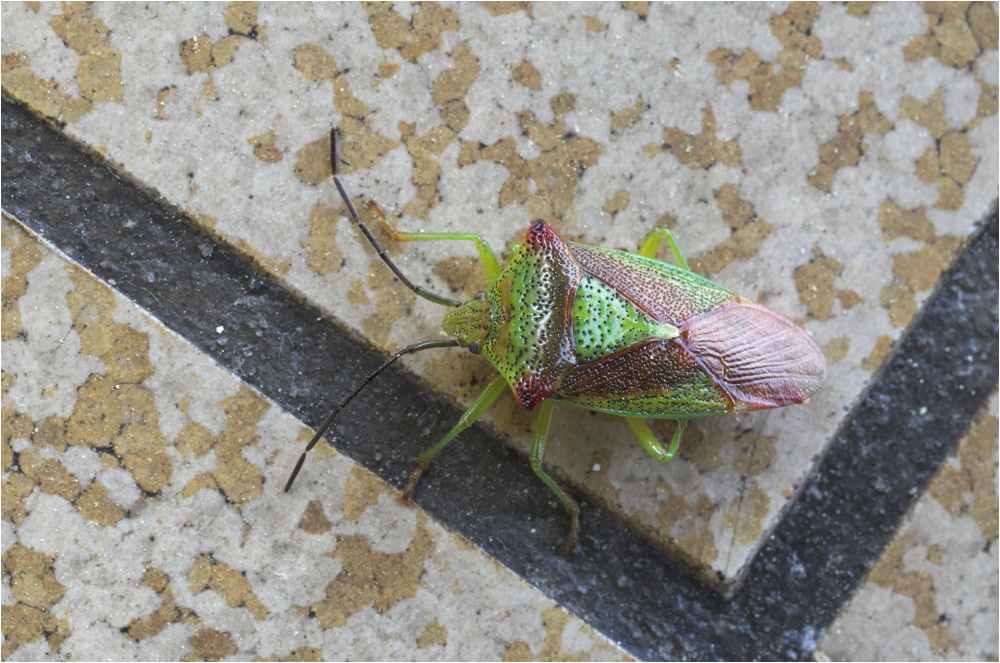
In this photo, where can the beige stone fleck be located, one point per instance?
(896, 222)
(361, 491)
(898, 301)
(194, 440)
(527, 75)
(935, 554)
(617, 202)
(199, 574)
(793, 29)
(264, 147)
(50, 475)
(358, 294)
(24, 256)
(837, 348)
(312, 163)
(920, 268)
(208, 90)
(930, 114)
(462, 274)
(314, 63)
(434, 633)
(393, 301)
(322, 254)
(957, 160)
(880, 352)
(22, 624)
(32, 577)
(629, 116)
(702, 150)
(238, 479)
(388, 69)
(517, 651)
(372, 578)
(94, 505)
(641, 9)
(730, 66)
(15, 490)
(236, 590)
(705, 449)
(860, 9)
(414, 38)
(345, 101)
(224, 49)
(501, 8)
(950, 195)
(686, 520)
(313, 520)
(958, 44)
(983, 22)
(451, 86)
(209, 644)
(196, 54)
(988, 104)
(241, 18)
(814, 281)
(746, 517)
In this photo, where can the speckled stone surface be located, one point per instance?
(933, 594)
(605, 120)
(827, 160)
(176, 552)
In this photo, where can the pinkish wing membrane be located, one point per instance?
(760, 358)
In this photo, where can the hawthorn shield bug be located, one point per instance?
(605, 330)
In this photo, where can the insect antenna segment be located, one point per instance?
(438, 299)
(417, 347)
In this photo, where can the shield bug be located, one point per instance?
(610, 331)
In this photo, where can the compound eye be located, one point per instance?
(474, 347)
(479, 295)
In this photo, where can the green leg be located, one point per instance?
(652, 242)
(485, 399)
(490, 264)
(537, 452)
(653, 445)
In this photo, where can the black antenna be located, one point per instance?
(426, 345)
(437, 299)
(417, 347)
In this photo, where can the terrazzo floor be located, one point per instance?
(182, 291)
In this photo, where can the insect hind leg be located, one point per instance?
(649, 441)
(652, 242)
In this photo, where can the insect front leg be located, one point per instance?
(537, 452)
(489, 259)
(652, 242)
(485, 399)
(649, 441)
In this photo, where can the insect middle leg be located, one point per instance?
(650, 442)
(489, 259)
(652, 242)
(493, 390)
(537, 453)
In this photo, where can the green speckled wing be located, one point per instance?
(664, 292)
